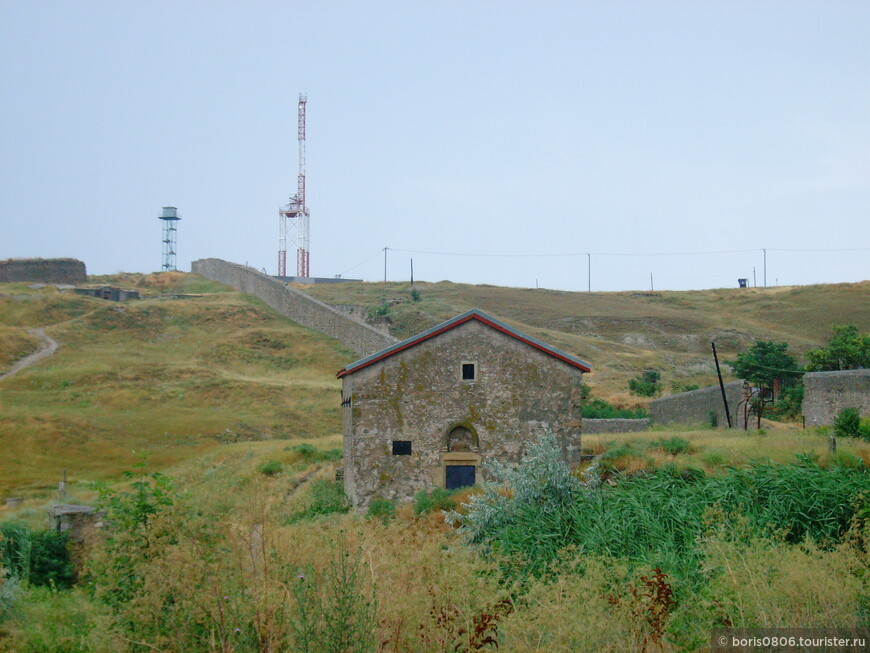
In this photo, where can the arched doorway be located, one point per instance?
(461, 458)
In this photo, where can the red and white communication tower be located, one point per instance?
(293, 217)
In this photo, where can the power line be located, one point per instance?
(378, 253)
(637, 254)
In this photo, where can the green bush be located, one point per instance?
(646, 385)
(383, 509)
(40, 558)
(658, 518)
(673, 446)
(324, 498)
(437, 499)
(847, 423)
(600, 409)
(311, 454)
(270, 468)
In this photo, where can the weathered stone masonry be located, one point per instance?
(695, 407)
(54, 270)
(827, 393)
(296, 305)
(418, 396)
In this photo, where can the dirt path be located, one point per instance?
(49, 346)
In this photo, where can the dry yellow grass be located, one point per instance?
(621, 333)
(167, 379)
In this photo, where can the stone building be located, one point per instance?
(53, 270)
(429, 411)
(111, 293)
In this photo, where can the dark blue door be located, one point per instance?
(459, 476)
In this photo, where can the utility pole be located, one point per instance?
(765, 267)
(588, 272)
(650, 282)
(385, 264)
(721, 385)
(412, 272)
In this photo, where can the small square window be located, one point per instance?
(401, 447)
(468, 371)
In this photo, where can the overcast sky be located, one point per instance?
(648, 134)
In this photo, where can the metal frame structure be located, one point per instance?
(170, 232)
(293, 218)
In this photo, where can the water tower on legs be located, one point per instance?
(170, 230)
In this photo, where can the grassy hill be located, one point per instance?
(622, 333)
(247, 543)
(195, 364)
(163, 378)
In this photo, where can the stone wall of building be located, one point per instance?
(696, 406)
(827, 393)
(295, 304)
(52, 270)
(598, 425)
(419, 395)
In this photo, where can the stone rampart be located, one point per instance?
(827, 393)
(696, 406)
(52, 270)
(617, 425)
(296, 305)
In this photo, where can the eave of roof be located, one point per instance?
(473, 314)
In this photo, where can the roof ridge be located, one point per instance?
(438, 329)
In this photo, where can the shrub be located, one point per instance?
(270, 468)
(310, 454)
(646, 385)
(41, 558)
(677, 387)
(713, 419)
(533, 517)
(437, 499)
(383, 509)
(9, 591)
(415, 295)
(601, 409)
(380, 310)
(673, 446)
(324, 498)
(334, 610)
(847, 423)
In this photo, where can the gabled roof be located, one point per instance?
(473, 314)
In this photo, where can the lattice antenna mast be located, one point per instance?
(293, 219)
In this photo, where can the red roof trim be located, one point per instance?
(536, 345)
(474, 315)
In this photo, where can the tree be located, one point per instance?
(764, 363)
(848, 349)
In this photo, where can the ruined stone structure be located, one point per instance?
(295, 304)
(827, 393)
(111, 293)
(430, 410)
(53, 270)
(696, 406)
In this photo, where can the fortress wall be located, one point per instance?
(827, 393)
(52, 270)
(296, 305)
(696, 406)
